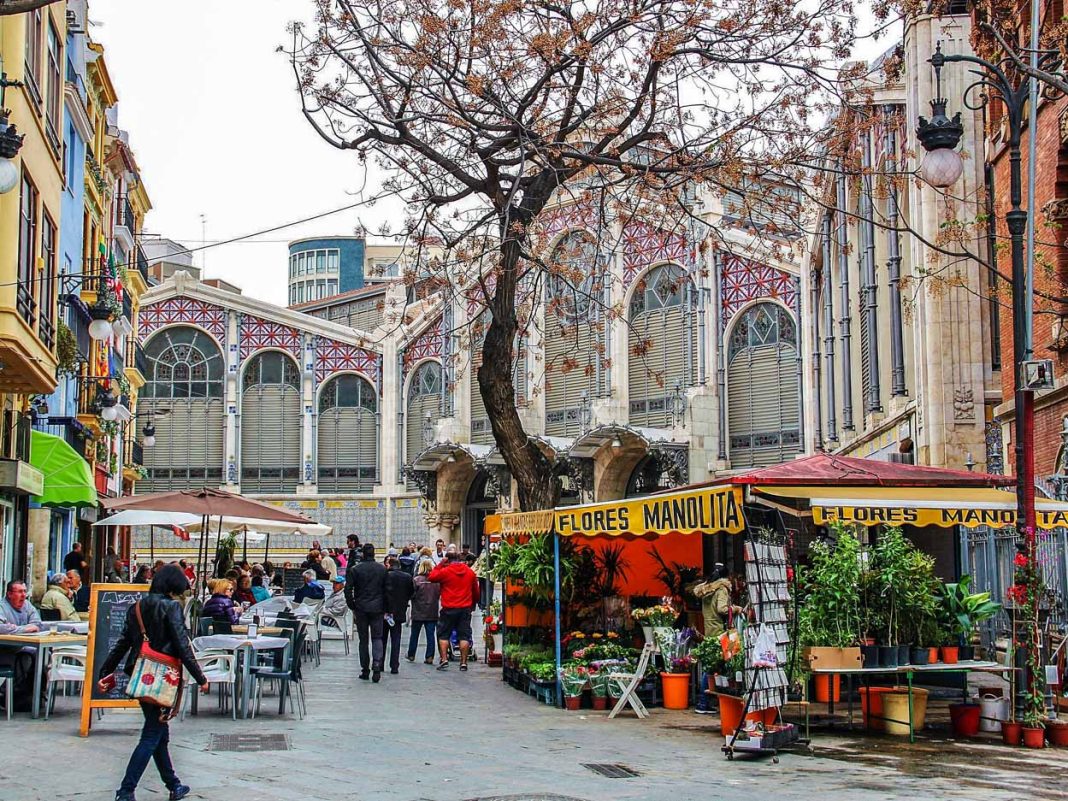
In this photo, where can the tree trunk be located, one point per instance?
(531, 470)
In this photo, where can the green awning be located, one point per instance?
(68, 480)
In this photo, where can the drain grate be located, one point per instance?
(612, 771)
(249, 743)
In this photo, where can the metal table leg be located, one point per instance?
(245, 655)
(38, 674)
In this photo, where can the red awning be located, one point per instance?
(827, 470)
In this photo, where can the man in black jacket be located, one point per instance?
(399, 590)
(365, 586)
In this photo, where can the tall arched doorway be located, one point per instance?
(271, 424)
(762, 387)
(481, 501)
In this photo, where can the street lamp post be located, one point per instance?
(942, 167)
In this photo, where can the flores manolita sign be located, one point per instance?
(708, 511)
(944, 517)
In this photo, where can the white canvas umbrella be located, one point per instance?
(175, 521)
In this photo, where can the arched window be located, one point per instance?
(762, 387)
(481, 431)
(348, 435)
(271, 424)
(184, 397)
(423, 407)
(574, 334)
(662, 353)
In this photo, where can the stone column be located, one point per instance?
(389, 408)
(309, 411)
(231, 391)
(441, 526)
(38, 530)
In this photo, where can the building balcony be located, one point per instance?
(136, 363)
(125, 225)
(142, 265)
(29, 362)
(15, 438)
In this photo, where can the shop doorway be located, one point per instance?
(481, 501)
(7, 542)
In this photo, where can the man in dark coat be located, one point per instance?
(365, 593)
(399, 590)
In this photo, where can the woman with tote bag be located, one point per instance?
(156, 646)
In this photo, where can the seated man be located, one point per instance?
(18, 616)
(57, 597)
(311, 591)
(79, 591)
(335, 603)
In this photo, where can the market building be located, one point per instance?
(901, 343)
(376, 422)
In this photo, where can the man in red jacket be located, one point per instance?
(459, 595)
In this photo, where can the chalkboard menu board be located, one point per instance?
(108, 605)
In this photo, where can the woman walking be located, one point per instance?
(424, 611)
(161, 615)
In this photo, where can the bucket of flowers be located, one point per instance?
(656, 621)
(599, 687)
(491, 627)
(573, 680)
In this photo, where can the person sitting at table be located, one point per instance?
(143, 575)
(79, 591)
(244, 594)
(18, 616)
(220, 604)
(259, 592)
(57, 597)
(335, 603)
(311, 591)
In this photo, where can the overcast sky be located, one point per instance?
(215, 122)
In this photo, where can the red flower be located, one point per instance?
(1020, 560)
(172, 677)
(147, 678)
(1017, 593)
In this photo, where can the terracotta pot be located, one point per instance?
(949, 654)
(1011, 732)
(573, 702)
(599, 702)
(932, 655)
(1034, 738)
(1057, 733)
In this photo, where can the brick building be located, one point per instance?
(1050, 329)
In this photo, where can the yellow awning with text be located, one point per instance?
(919, 506)
(710, 510)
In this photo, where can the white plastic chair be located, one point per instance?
(629, 683)
(332, 627)
(64, 665)
(219, 668)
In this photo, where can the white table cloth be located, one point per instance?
(243, 646)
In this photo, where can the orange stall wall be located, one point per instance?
(642, 568)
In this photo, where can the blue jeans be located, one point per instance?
(153, 745)
(430, 626)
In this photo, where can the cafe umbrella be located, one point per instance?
(217, 509)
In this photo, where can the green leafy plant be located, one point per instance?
(829, 599)
(613, 568)
(890, 565)
(966, 610)
(66, 350)
(676, 577)
(709, 655)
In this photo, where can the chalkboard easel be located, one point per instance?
(108, 605)
(292, 580)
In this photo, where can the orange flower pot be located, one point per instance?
(676, 690)
(950, 654)
(730, 714)
(1034, 738)
(824, 685)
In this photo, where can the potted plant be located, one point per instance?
(675, 680)
(1034, 734)
(709, 656)
(573, 680)
(598, 687)
(890, 562)
(966, 611)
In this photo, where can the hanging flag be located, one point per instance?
(180, 533)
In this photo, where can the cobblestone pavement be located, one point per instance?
(429, 736)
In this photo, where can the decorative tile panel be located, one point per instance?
(257, 333)
(743, 280)
(644, 245)
(428, 344)
(333, 356)
(177, 311)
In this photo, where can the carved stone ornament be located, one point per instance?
(426, 481)
(674, 464)
(963, 404)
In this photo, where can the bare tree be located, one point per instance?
(484, 114)
(8, 7)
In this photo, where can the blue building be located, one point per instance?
(325, 266)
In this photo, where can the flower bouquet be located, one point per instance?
(663, 614)
(573, 680)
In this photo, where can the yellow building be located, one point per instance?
(31, 54)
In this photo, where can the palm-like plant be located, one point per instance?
(613, 568)
(965, 609)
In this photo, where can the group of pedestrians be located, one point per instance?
(441, 596)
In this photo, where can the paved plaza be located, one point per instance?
(429, 736)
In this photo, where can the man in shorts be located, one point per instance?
(459, 595)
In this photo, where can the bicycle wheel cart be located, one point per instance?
(765, 685)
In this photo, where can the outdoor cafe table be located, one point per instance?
(964, 666)
(244, 647)
(43, 641)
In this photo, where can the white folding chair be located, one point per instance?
(629, 682)
(64, 665)
(332, 627)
